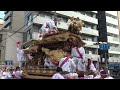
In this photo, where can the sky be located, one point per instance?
(1, 14)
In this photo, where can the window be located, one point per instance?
(88, 26)
(89, 39)
(111, 25)
(109, 15)
(0, 37)
(28, 34)
(29, 19)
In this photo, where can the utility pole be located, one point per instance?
(104, 48)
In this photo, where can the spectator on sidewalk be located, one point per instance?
(17, 74)
(20, 55)
(58, 75)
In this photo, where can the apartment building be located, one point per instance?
(109, 32)
(113, 36)
(14, 20)
(89, 31)
(1, 47)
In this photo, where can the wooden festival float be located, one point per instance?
(53, 46)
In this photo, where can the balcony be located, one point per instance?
(5, 12)
(90, 31)
(7, 22)
(114, 13)
(63, 25)
(90, 44)
(111, 20)
(94, 11)
(81, 16)
(93, 56)
(113, 40)
(40, 20)
(7, 15)
(114, 59)
(112, 30)
(115, 50)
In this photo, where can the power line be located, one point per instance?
(21, 27)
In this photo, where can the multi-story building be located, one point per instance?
(109, 32)
(14, 20)
(1, 35)
(113, 36)
(89, 31)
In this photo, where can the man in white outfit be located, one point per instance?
(17, 73)
(20, 55)
(108, 76)
(44, 29)
(58, 75)
(78, 54)
(97, 75)
(48, 28)
(67, 64)
(90, 66)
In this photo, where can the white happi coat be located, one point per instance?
(90, 76)
(18, 74)
(97, 77)
(109, 77)
(72, 76)
(51, 24)
(48, 62)
(46, 29)
(68, 66)
(4, 75)
(92, 67)
(80, 63)
(20, 55)
(57, 76)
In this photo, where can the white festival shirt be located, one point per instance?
(20, 55)
(68, 66)
(57, 76)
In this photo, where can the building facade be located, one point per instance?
(109, 32)
(14, 20)
(89, 31)
(113, 36)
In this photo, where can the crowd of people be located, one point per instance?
(10, 73)
(60, 74)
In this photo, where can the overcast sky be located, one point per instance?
(1, 14)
